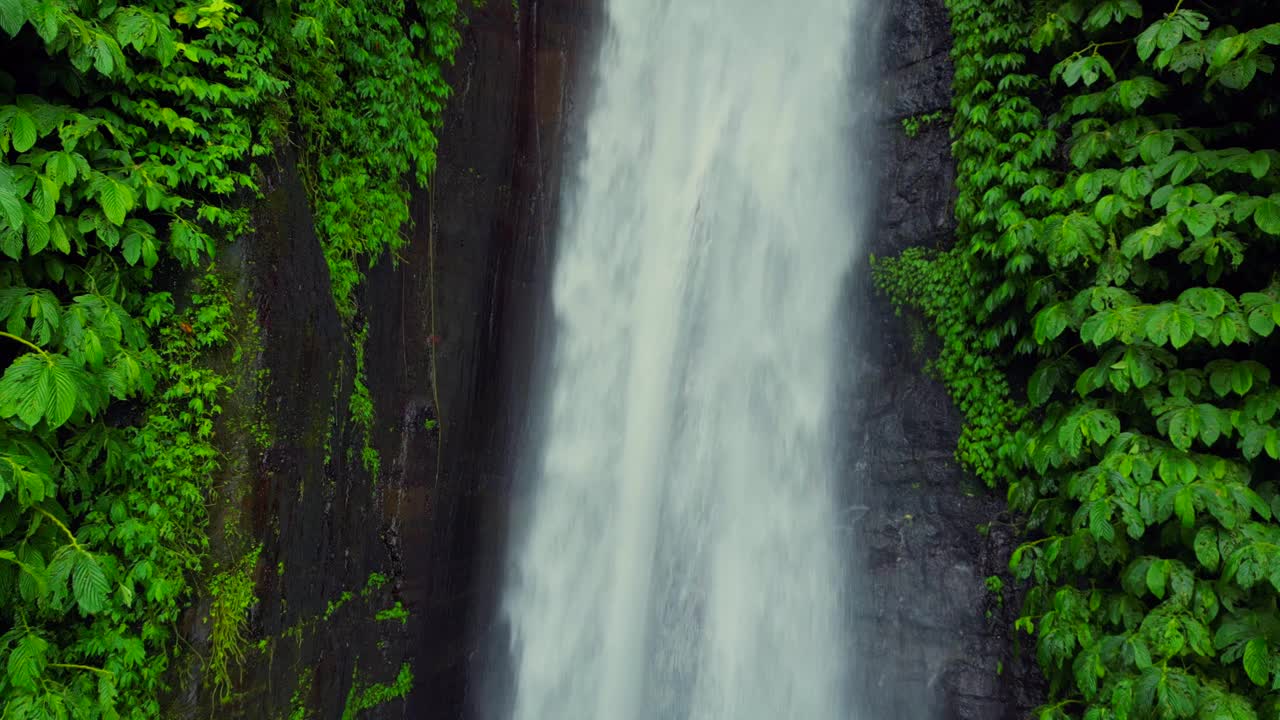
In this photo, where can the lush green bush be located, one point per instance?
(1119, 214)
(128, 132)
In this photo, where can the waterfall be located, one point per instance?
(681, 552)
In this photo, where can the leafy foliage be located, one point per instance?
(1117, 218)
(128, 133)
(368, 79)
(231, 591)
(914, 124)
(360, 699)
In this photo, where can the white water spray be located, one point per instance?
(682, 555)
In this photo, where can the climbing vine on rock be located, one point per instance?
(368, 96)
(1118, 220)
(129, 133)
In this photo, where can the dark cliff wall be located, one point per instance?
(452, 332)
(938, 654)
(450, 327)
(493, 212)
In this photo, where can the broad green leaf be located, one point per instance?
(1042, 383)
(1259, 164)
(1181, 327)
(12, 16)
(1262, 321)
(1147, 41)
(1257, 661)
(11, 205)
(89, 583)
(1206, 547)
(1157, 576)
(1210, 423)
(115, 198)
(1155, 147)
(132, 248)
(27, 661)
(1100, 522)
(1242, 379)
(1186, 165)
(1137, 182)
(1051, 322)
(23, 129)
(1226, 50)
(1267, 216)
(1176, 694)
(39, 387)
(1200, 220)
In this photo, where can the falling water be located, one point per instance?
(682, 553)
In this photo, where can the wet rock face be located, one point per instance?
(452, 331)
(491, 219)
(451, 324)
(940, 639)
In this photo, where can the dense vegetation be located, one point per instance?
(1116, 255)
(129, 132)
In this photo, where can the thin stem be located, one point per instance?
(73, 666)
(74, 543)
(26, 342)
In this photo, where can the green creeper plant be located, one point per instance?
(1117, 214)
(129, 133)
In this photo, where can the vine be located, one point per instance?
(128, 137)
(1117, 245)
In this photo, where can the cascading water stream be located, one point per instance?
(682, 551)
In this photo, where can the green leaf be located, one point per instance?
(11, 205)
(132, 248)
(1200, 220)
(1257, 661)
(89, 584)
(1210, 423)
(1259, 164)
(11, 243)
(12, 16)
(1262, 322)
(1050, 322)
(1169, 34)
(1242, 379)
(1100, 522)
(115, 197)
(1186, 165)
(1267, 216)
(1157, 576)
(1159, 322)
(1175, 694)
(27, 661)
(1182, 326)
(1137, 182)
(1155, 146)
(1042, 383)
(1184, 507)
(1227, 706)
(1206, 547)
(23, 129)
(41, 386)
(1226, 50)
(1147, 41)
